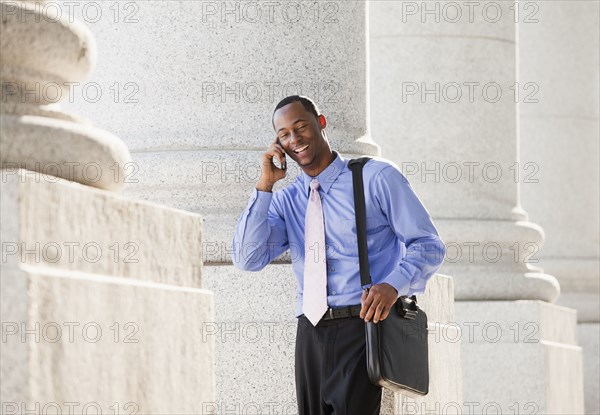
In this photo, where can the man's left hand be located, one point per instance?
(378, 303)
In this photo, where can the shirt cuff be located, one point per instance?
(260, 201)
(399, 280)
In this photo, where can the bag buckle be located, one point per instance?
(407, 307)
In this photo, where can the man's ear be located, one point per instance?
(322, 121)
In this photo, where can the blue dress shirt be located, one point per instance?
(405, 249)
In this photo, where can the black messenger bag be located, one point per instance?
(397, 354)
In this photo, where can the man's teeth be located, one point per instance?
(300, 150)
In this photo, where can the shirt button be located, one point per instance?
(334, 292)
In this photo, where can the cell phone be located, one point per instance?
(284, 164)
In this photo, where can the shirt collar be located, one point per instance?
(327, 176)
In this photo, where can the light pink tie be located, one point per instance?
(315, 266)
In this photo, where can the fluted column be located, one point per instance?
(445, 97)
(443, 108)
(231, 77)
(559, 136)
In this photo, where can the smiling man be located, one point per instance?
(315, 215)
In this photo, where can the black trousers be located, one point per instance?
(331, 369)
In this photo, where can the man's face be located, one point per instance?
(301, 136)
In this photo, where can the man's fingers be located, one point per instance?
(275, 151)
(378, 303)
(275, 144)
(364, 310)
(378, 311)
(385, 313)
(366, 302)
(370, 305)
(370, 312)
(282, 159)
(280, 153)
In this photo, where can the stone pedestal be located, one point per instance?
(531, 349)
(254, 330)
(589, 335)
(101, 305)
(559, 136)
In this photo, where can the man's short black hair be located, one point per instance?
(306, 102)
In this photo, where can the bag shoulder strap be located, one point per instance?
(356, 165)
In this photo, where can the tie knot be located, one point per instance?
(314, 184)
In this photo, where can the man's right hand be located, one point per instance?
(269, 172)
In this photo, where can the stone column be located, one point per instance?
(101, 304)
(200, 145)
(34, 83)
(559, 134)
(445, 98)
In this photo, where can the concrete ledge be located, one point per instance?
(102, 341)
(116, 328)
(529, 353)
(66, 225)
(522, 321)
(589, 339)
